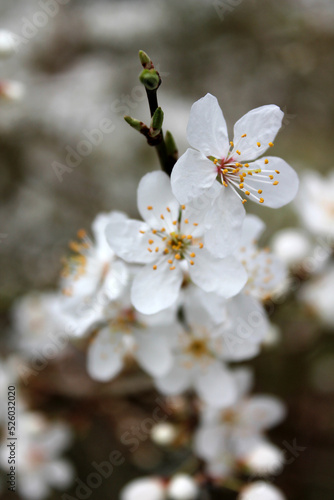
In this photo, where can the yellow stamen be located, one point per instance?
(154, 267)
(258, 144)
(238, 152)
(266, 161)
(260, 191)
(192, 254)
(151, 241)
(270, 144)
(172, 268)
(275, 183)
(186, 221)
(244, 135)
(177, 256)
(149, 207)
(192, 262)
(261, 200)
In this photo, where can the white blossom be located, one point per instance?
(260, 490)
(170, 243)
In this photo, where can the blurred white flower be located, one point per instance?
(180, 487)
(315, 203)
(292, 246)
(11, 90)
(225, 438)
(40, 444)
(264, 459)
(260, 490)
(7, 43)
(318, 295)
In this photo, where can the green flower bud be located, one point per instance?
(150, 78)
(156, 122)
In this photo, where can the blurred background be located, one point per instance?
(79, 67)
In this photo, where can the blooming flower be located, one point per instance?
(266, 272)
(233, 436)
(235, 165)
(129, 334)
(170, 243)
(201, 349)
(92, 275)
(41, 443)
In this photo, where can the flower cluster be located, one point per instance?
(180, 292)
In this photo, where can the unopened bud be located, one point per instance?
(150, 79)
(156, 122)
(164, 434)
(170, 145)
(182, 487)
(145, 60)
(136, 124)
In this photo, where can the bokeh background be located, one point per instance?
(82, 67)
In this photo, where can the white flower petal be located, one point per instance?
(252, 228)
(225, 218)
(182, 487)
(129, 240)
(216, 386)
(260, 126)
(154, 350)
(155, 199)
(104, 357)
(192, 175)
(59, 473)
(155, 290)
(178, 380)
(210, 441)
(207, 129)
(262, 412)
(279, 195)
(223, 276)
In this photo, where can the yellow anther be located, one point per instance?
(247, 192)
(151, 241)
(225, 171)
(270, 144)
(243, 174)
(189, 237)
(162, 217)
(168, 209)
(149, 249)
(231, 144)
(277, 171)
(170, 261)
(238, 152)
(225, 184)
(215, 161)
(186, 221)
(142, 232)
(259, 191)
(164, 238)
(261, 200)
(201, 245)
(192, 262)
(172, 268)
(238, 164)
(266, 161)
(246, 165)
(195, 223)
(166, 251)
(244, 201)
(192, 254)
(271, 176)
(74, 246)
(275, 183)
(258, 171)
(177, 256)
(236, 171)
(154, 267)
(149, 207)
(183, 207)
(244, 135)
(154, 231)
(183, 237)
(157, 249)
(163, 229)
(174, 222)
(81, 233)
(249, 173)
(241, 186)
(258, 144)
